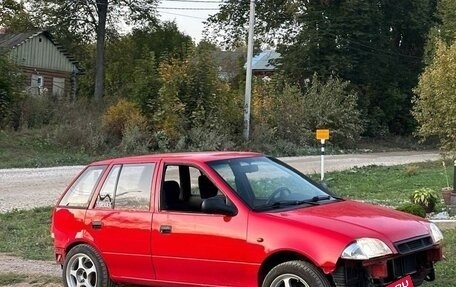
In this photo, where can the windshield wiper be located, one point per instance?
(279, 204)
(319, 198)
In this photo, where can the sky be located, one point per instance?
(188, 14)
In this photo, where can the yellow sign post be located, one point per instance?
(322, 135)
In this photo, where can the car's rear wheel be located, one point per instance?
(295, 274)
(84, 267)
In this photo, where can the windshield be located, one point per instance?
(266, 183)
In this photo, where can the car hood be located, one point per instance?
(354, 220)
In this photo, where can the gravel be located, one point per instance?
(26, 188)
(12, 264)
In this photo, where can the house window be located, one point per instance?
(37, 84)
(58, 86)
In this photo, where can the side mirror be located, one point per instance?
(218, 205)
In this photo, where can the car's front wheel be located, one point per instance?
(295, 274)
(83, 266)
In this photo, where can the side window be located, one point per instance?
(227, 174)
(106, 197)
(184, 189)
(127, 187)
(79, 194)
(133, 187)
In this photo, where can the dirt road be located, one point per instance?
(28, 188)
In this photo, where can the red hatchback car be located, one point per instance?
(230, 219)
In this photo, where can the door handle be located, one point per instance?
(165, 229)
(96, 224)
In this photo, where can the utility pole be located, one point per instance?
(248, 78)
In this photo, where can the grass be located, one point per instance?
(445, 270)
(33, 148)
(388, 185)
(7, 279)
(26, 233)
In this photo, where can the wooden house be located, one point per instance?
(47, 66)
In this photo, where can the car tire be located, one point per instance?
(295, 273)
(83, 266)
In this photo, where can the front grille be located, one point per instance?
(412, 245)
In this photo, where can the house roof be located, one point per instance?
(11, 41)
(264, 60)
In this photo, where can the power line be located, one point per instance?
(187, 8)
(183, 15)
(195, 1)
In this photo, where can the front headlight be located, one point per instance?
(436, 234)
(366, 248)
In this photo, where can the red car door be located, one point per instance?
(120, 221)
(202, 249)
(191, 247)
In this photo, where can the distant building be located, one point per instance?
(263, 63)
(229, 63)
(47, 66)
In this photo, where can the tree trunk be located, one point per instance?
(102, 9)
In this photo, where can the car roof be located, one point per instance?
(184, 156)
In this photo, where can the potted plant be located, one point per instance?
(425, 197)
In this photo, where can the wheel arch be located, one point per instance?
(277, 258)
(79, 242)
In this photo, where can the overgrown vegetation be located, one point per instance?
(355, 79)
(180, 100)
(192, 109)
(281, 112)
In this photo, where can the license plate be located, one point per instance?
(403, 282)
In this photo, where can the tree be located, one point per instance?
(163, 39)
(435, 109)
(132, 61)
(11, 86)
(91, 20)
(445, 30)
(376, 45)
(14, 17)
(193, 98)
(446, 13)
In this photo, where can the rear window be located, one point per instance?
(79, 194)
(127, 187)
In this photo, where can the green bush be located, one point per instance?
(426, 197)
(122, 115)
(294, 115)
(36, 111)
(206, 138)
(412, 208)
(78, 126)
(134, 141)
